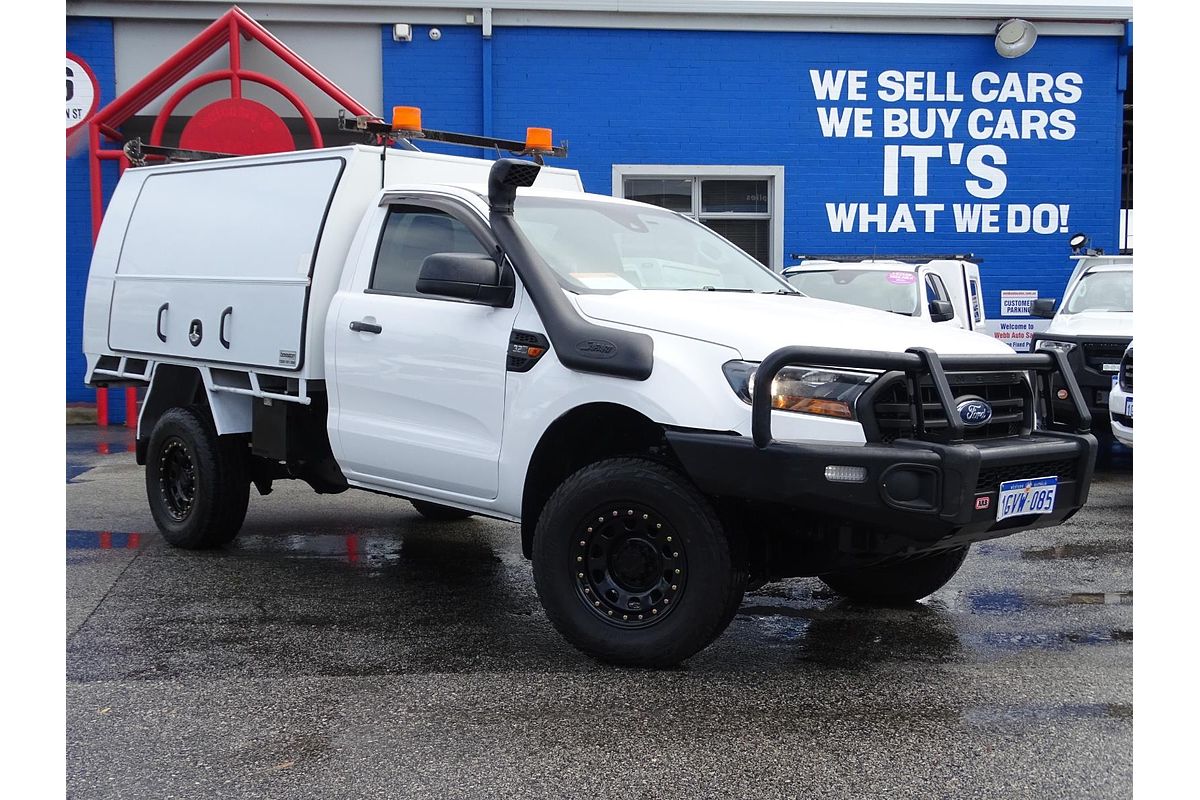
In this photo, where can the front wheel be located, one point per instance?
(900, 583)
(632, 564)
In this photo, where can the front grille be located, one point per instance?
(895, 414)
(1125, 374)
(1124, 420)
(990, 479)
(1097, 354)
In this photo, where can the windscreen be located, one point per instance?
(595, 246)
(1102, 291)
(894, 291)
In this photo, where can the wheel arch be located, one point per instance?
(578, 437)
(176, 385)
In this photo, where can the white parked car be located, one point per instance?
(1092, 328)
(665, 418)
(946, 290)
(1120, 400)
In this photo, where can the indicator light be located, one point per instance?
(538, 140)
(844, 474)
(406, 118)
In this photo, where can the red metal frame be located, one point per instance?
(229, 29)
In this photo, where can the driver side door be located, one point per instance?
(420, 378)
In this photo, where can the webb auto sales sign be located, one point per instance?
(83, 93)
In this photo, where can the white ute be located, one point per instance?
(943, 289)
(1092, 328)
(666, 419)
(1120, 400)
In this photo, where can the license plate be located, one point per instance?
(1129, 407)
(1028, 496)
(1111, 367)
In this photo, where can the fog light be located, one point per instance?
(844, 474)
(1062, 394)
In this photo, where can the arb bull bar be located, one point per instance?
(917, 363)
(928, 489)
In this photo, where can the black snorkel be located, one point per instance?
(579, 344)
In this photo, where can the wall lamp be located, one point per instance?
(1015, 37)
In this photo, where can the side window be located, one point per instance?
(935, 289)
(410, 234)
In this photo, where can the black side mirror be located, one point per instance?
(941, 310)
(1043, 307)
(466, 276)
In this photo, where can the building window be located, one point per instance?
(744, 204)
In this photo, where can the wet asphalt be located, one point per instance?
(342, 647)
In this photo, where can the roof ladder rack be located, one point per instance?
(908, 257)
(137, 152)
(379, 131)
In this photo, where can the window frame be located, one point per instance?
(698, 173)
(457, 211)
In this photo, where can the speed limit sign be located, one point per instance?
(83, 93)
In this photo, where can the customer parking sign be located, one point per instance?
(1017, 302)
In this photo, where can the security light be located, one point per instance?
(401, 32)
(1015, 37)
(1078, 242)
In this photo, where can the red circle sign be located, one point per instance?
(238, 126)
(83, 92)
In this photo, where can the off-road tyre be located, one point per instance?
(901, 583)
(197, 482)
(606, 550)
(437, 512)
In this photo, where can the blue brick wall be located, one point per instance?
(717, 98)
(442, 78)
(92, 40)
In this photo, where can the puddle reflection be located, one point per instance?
(103, 540)
(1079, 551)
(846, 634)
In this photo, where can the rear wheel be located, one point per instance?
(632, 564)
(901, 583)
(438, 512)
(197, 482)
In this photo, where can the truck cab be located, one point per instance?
(1092, 327)
(665, 420)
(945, 290)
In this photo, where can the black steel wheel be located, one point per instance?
(177, 478)
(901, 582)
(197, 482)
(632, 564)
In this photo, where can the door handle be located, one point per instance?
(365, 327)
(226, 314)
(162, 337)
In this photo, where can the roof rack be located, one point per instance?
(138, 152)
(379, 131)
(403, 129)
(907, 257)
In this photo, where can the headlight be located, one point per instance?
(1053, 344)
(804, 390)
